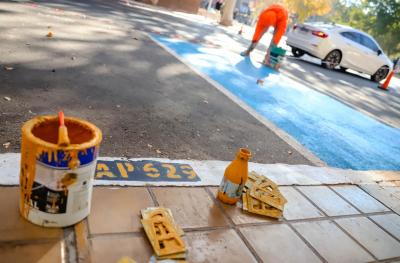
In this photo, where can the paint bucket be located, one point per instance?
(56, 182)
(276, 57)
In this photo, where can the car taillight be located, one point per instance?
(319, 34)
(294, 26)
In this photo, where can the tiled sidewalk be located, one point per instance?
(322, 224)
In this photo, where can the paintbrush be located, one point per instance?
(63, 139)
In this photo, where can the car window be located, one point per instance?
(367, 42)
(353, 36)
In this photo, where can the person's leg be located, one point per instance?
(270, 47)
(260, 30)
(265, 20)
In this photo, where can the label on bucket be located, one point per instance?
(48, 194)
(61, 196)
(232, 190)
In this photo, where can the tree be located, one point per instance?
(302, 9)
(227, 13)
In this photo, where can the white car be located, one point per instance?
(340, 45)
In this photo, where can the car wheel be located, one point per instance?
(343, 69)
(332, 59)
(297, 52)
(380, 74)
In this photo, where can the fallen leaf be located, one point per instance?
(7, 98)
(6, 144)
(289, 152)
(118, 106)
(73, 58)
(149, 145)
(206, 102)
(50, 34)
(31, 112)
(158, 151)
(28, 44)
(376, 239)
(217, 129)
(49, 27)
(136, 38)
(259, 81)
(9, 68)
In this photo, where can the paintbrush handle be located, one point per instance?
(63, 139)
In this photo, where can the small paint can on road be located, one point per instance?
(56, 182)
(276, 57)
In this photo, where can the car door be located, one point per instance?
(353, 55)
(373, 61)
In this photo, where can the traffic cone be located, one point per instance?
(386, 83)
(241, 30)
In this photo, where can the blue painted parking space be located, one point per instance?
(337, 134)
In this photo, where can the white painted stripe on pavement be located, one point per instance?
(211, 173)
(281, 134)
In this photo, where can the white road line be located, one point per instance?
(281, 134)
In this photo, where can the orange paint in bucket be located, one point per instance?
(55, 180)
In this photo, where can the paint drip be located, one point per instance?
(56, 182)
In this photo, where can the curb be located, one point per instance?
(211, 172)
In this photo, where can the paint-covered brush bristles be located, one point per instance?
(63, 139)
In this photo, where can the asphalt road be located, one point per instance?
(351, 88)
(146, 102)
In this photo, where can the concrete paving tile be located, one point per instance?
(117, 210)
(33, 253)
(393, 189)
(235, 212)
(110, 250)
(389, 222)
(191, 207)
(331, 242)
(216, 246)
(352, 176)
(298, 207)
(384, 195)
(389, 175)
(278, 243)
(360, 199)
(282, 174)
(13, 226)
(370, 236)
(315, 173)
(389, 184)
(328, 201)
